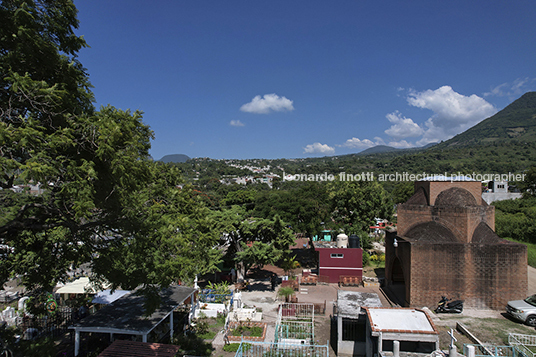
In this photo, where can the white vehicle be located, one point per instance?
(523, 310)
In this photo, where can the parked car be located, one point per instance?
(523, 310)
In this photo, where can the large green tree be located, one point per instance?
(355, 204)
(100, 197)
(252, 240)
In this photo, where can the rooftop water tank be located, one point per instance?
(342, 241)
(354, 241)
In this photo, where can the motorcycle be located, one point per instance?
(447, 306)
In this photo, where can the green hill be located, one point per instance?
(516, 121)
(175, 158)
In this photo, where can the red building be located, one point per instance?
(337, 262)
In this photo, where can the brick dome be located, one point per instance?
(431, 232)
(455, 197)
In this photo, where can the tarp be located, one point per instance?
(107, 297)
(79, 286)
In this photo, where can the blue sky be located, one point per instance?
(287, 79)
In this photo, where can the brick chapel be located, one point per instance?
(446, 245)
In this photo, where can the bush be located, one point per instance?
(366, 258)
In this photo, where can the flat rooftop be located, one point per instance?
(349, 303)
(405, 320)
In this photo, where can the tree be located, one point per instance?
(355, 204)
(268, 239)
(101, 199)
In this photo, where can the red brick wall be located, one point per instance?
(461, 221)
(434, 188)
(484, 275)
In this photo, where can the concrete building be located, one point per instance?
(400, 332)
(337, 260)
(351, 321)
(498, 191)
(445, 245)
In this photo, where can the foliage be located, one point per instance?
(303, 206)
(258, 253)
(244, 330)
(268, 239)
(286, 292)
(221, 288)
(289, 263)
(402, 191)
(366, 258)
(516, 219)
(355, 204)
(101, 199)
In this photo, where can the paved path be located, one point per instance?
(532, 280)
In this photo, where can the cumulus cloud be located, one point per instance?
(453, 112)
(356, 143)
(512, 89)
(267, 103)
(318, 148)
(402, 127)
(236, 123)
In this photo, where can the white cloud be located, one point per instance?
(513, 89)
(318, 148)
(236, 123)
(356, 143)
(267, 103)
(453, 112)
(402, 127)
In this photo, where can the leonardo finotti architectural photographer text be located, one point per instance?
(403, 176)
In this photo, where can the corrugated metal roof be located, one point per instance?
(122, 348)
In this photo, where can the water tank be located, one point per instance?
(354, 241)
(342, 241)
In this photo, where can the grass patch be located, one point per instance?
(233, 347)
(254, 331)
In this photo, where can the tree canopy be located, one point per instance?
(97, 196)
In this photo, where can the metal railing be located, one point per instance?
(491, 350)
(270, 349)
(521, 343)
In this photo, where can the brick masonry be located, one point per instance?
(483, 275)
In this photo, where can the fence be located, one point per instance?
(50, 325)
(520, 343)
(295, 322)
(490, 350)
(269, 349)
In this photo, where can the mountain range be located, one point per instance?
(505, 141)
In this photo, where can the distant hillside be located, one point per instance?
(175, 158)
(380, 149)
(515, 122)
(377, 149)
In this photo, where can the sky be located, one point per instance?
(293, 79)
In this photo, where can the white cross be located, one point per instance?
(452, 338)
